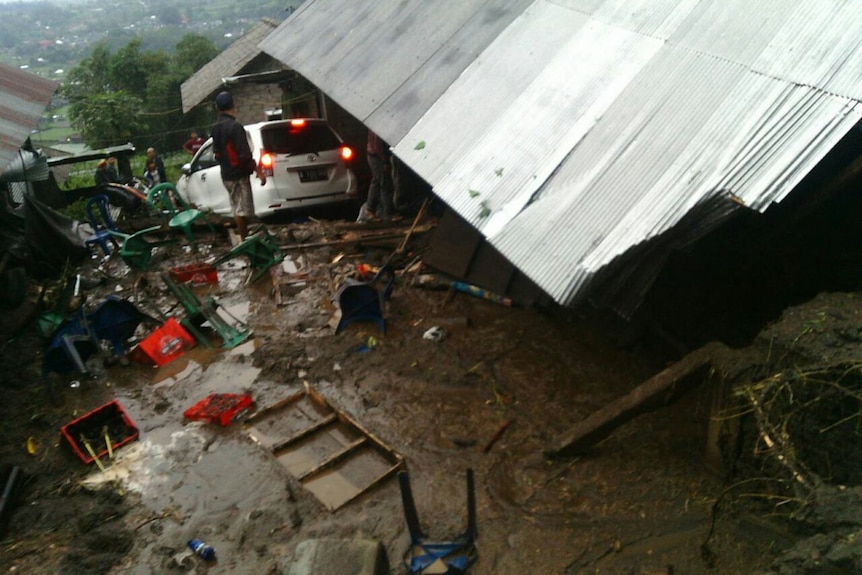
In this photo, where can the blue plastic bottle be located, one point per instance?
(206, 552)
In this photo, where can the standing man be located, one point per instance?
(237, 164)
(194, 143)
(380, 190)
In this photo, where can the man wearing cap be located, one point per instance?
(237, 164)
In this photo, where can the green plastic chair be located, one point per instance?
(167, 200)
(261, 249)
(136, 249)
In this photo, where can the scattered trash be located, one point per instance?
(108, 427)
(206, 552)
(221, 408)
(32, 445)
(434, 281)
(74, 384)
(496, 437)
(434, 334)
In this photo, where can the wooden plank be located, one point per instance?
(334, 458)
(329, 419)
(661, 389)
(389, 473)
(265, 412)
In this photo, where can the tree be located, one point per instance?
(109, 119)
(133, 95)
(127, 69)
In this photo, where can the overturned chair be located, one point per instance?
(365, 300)
(426, 557)
(165, 198)
(261, 249)
(232, 332)
(137, 249)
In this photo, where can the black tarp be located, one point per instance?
(51, 239)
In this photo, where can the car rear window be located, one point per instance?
(303, 139)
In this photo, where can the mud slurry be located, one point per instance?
(491, 395)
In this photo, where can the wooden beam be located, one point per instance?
(662, 389)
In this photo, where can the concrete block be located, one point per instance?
(339, 557)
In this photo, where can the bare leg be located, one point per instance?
(241, 226)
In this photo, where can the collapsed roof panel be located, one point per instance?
(387, 62)
(24, 97)
(582, 129)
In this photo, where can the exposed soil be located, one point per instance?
(501, 386)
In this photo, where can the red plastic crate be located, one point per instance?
(221, 408)
(121, 430)
(196, 274)
(165, 344)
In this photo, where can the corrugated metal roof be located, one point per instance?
(570, 132)
(228, 63)
(23, 98)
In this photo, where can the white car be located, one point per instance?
(306, 164)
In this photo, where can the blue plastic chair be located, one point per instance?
(365, 301)
(102, 230)
(454, 557)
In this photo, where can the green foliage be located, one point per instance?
(133, 95)
(108, 118)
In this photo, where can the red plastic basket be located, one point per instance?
(91, 426)
(196, 274)
(165, 344)
(221, 408)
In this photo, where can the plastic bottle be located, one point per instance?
(206, 552)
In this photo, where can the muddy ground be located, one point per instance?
(498, 389)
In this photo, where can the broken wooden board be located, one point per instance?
(662, 389)
(325, 449)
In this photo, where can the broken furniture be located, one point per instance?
(137, 249)
(70, 346)
(114, 320)
(100, 432)
(260, 248)
(232, 332)
(165, 199)
(442, 557)
(364, 301)
(101, 228)
(328, 452)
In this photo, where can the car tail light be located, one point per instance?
(346, 153)
(266, 162)
(297, 123)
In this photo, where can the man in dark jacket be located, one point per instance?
(237, 164)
